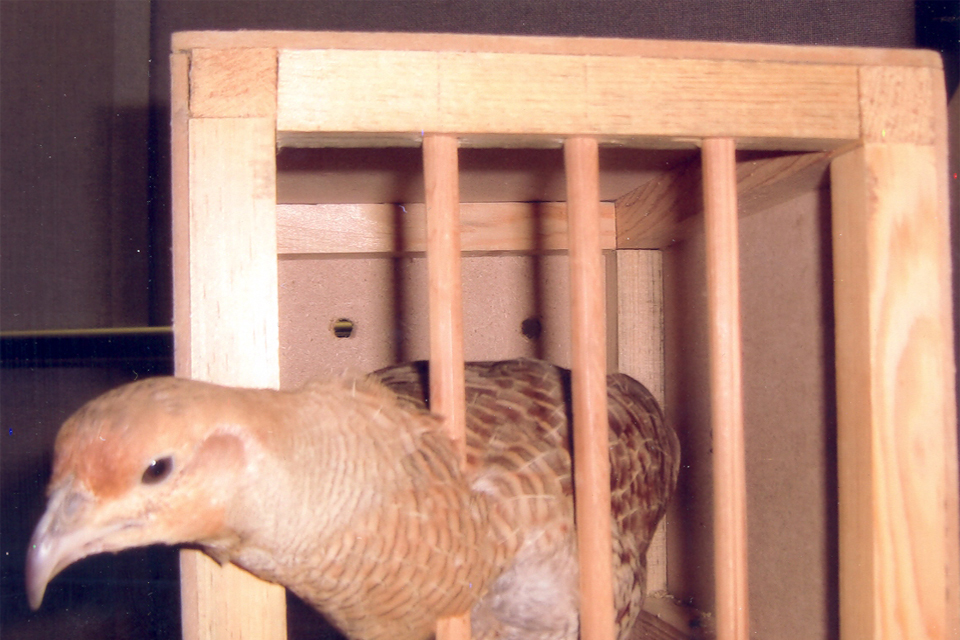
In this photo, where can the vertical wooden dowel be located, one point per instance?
(442, 181)
(445, 297)
(726, 388)
(590, 438)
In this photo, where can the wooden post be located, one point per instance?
(225, 312)
(896, 414)
(591, 458)
(894, 393)
(726, 387)
(442, 181)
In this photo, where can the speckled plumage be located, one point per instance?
(348, 493)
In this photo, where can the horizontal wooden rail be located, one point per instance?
(394, 228)
(331, 91)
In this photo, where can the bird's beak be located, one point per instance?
(64, 535)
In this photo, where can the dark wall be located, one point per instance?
(74, 81)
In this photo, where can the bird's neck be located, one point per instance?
(379, 531)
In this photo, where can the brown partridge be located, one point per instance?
(349, 494)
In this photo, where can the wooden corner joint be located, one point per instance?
(897, 104)
(233, 83)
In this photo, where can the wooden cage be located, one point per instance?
(261, 119)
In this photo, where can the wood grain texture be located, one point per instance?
(445, 293)
(945, 128)
(640, 318)
(233, 83)
(233, 272)
(639, 298)
(340, 90)
(588, 354)
(180, 205)
(664, 210)
(232, 321)
(227, 603)
(408, 92)
(895, 394)
(390, 228)
(895, 104)
(186, 40)
(444, 283)
(511, 93)
(726, 388)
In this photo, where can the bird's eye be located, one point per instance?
(157, 471)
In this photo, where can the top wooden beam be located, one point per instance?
(186, 40)
(387, 89)
(620, 99)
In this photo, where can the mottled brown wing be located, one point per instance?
(644, 455)
(518, 410)
(517, 417)
(518, 451)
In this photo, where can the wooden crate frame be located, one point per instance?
(876, 116)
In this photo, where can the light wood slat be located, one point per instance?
(665, 210)
(639, 298)
(186, 40)
(390, 228)
(512, 93)
(343, 89)
(225, 603)
(447, 399)
(180, 205)
(559, 95)
(229, 331)
(895, 395)
(726, 388)
(589, 359)
(700, 98)
(233, 301)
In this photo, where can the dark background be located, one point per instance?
(84, 215)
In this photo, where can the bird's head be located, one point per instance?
(156, 461)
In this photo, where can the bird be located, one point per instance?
(349, 493)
